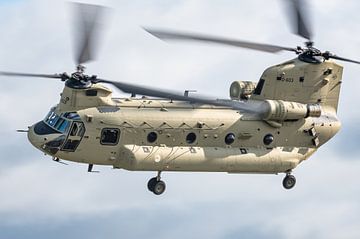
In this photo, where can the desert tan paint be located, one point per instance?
(172, 121)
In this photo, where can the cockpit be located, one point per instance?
(62, 131)
(58, 122)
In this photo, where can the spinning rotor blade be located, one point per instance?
(54, 76)
(342, 59)
(180, 36)
(299, 16)
(249, 106)
(88, 20)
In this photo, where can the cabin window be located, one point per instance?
(259, 87)
(268, 139)
(110, 136)
(229, 138)
(91, 93)
(190, 138)
(152, 137)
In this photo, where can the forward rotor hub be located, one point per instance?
(79, 80)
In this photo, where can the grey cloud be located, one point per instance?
(43, 199)
(134, 224)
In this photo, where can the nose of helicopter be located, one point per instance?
(35, 139)
(38, 136)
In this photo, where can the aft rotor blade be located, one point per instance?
(299, 16)
(88, 19)
(55, 76)
(249, 106)
(181, 36)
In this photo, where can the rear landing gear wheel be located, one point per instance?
(289, 181)
(151, 184)
(159, 188)
(156, 186)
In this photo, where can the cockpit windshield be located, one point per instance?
(60, 122)
(68, 124)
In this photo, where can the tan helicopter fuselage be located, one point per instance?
(163, 135)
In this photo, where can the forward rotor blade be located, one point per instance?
(88, 19)
(54, 76)
(343, 59)
(181, 36)
(249, 106)
(299, 16)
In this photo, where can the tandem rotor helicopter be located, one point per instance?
(267, 127)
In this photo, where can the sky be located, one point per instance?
(42, 199)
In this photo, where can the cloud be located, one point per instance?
(41, 194)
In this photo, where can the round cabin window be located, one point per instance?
(152, 137)
(268, 139)
(190, 138)
(229, 138)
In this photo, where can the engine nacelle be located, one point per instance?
(279, 110)
(241, 89)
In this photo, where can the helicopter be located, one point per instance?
(266, 127)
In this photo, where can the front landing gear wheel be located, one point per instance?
(289, 181)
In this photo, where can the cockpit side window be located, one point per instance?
(70, 145)
(78, 129)
(81, 130)
(74, 130)
(75, 136)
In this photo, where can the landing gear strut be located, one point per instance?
(155, 185)
(289, 181)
